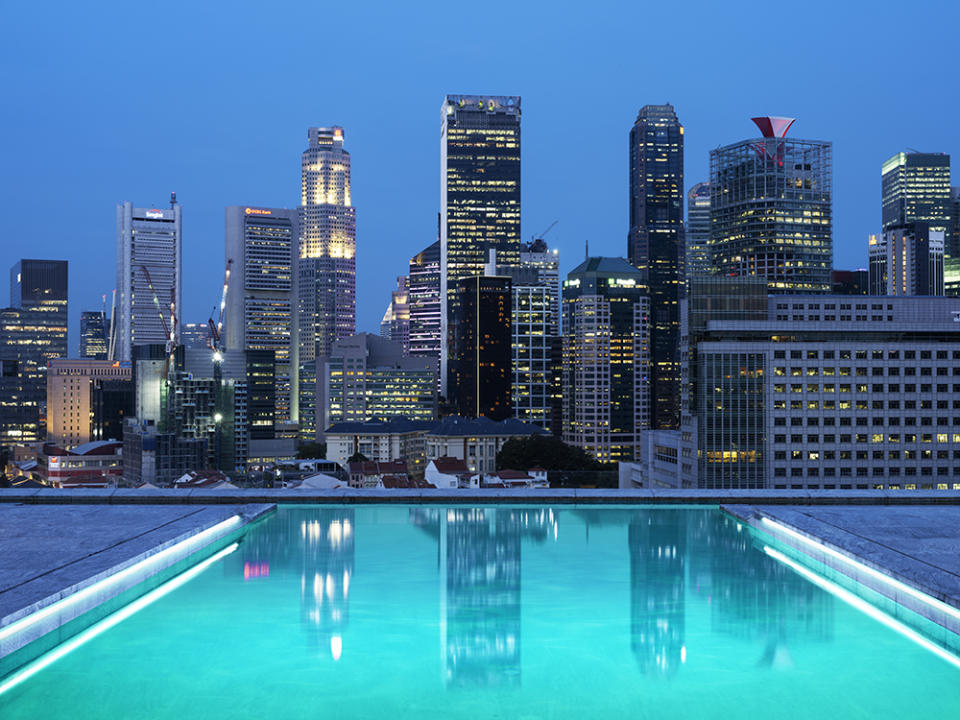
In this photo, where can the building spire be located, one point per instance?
(587, 249)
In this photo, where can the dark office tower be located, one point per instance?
(93, 335)
(32, 332)
(606, 334)
(261, 393)
(480, 376)
(423, 299)
(850, 282)
(656, 248)
(328, 245)
(479, 195)
(907, 260)
(261, 249)
(771, 209)
(697, 235)
(951, 262)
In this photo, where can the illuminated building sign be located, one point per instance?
(258, 211)
(154, 214)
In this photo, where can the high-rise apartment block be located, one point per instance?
(771, 209)
(261, 250)
(479, 195)
(149, 251)
(93, 335)
(907, 259)
(367, 377)
(697, 236)
(423, 299)
(656, 247)
(328, 245)
(481, 354)
(606, 358)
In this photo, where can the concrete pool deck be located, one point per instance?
(916, 546)
(52, 552)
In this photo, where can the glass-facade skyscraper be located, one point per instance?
(656, 248)
(93, 335)
(149, 248)
(260, 315)
(697, 235)
(328, 245)
(423, 298)
(479, 196)
(771, 209)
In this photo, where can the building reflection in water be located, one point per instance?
(326, 538)
(756, 598)
(479, 557)
(658, 553)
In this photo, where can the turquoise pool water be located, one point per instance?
(423, 612)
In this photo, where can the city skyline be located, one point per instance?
(253, 158)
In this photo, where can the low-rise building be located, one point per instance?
(450, 473)
(380, 441)
(100, 461)
(476, 441)
(369, 474)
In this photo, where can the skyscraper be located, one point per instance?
(606, 335)
(535, 322)
(396, 320)
(907, 259)
(261, 246)
(771, 209)
(655, 246)
(32, 333)
(697, 235)
(480, 356)
(423, 284)
(328, 245)
(479, 195)
(149, 248)
(93, 335)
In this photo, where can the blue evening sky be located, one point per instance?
(112, 101)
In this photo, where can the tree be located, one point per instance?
(545, 451)
(311, 451)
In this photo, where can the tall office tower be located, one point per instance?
(479, 197)
(771, 209)
(368, 377)
(328, 245)
(480, 356)
(907, 260)
(149, 247)
(196, 336)
(423, 299)
(606, 358)
(261, 249)
(655, 246)
(396, 320)
(699, 257)
(81, 404)
(535, 310)
(93, 334)
(32, 333)
(851, 282)
(951, 265)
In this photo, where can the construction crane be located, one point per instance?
(534, 238)
(169, 329)
(215, 339)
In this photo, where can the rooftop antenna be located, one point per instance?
(587, 249)
(173, 200)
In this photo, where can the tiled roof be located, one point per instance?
(379, 427)
(457, 426)
(450, 465)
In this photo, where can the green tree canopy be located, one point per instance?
(545, 451)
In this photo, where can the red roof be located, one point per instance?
(369, 467)
(450, 465)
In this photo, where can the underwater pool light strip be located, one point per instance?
(184, 546)
(864, 607)
(866, 569)
(110, 621)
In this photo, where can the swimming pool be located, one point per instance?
(420, 611)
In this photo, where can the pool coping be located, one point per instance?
(107, 562)
(842, 551)
(647, 496)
